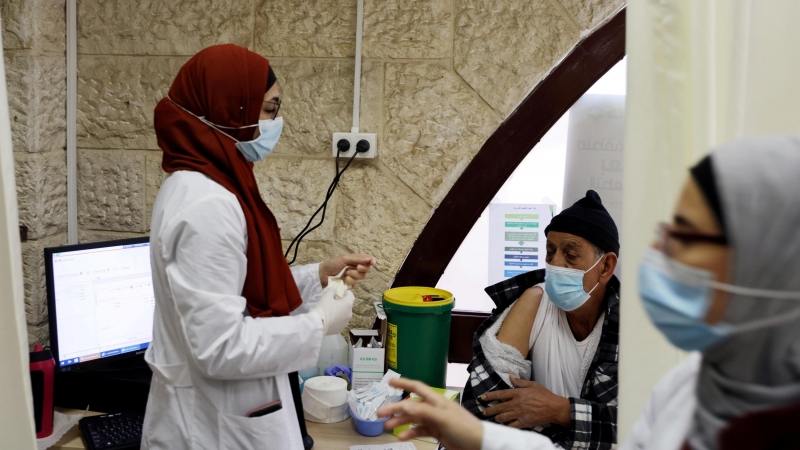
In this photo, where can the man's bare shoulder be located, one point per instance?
(529, 301)
(517, 326)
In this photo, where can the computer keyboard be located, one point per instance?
(113, 431)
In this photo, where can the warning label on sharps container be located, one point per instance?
(391, 347)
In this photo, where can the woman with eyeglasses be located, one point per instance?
(232, 320)
(723, 281)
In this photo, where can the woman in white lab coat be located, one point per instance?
(231, 318)
(723, 280)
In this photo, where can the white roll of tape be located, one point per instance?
(325, 399)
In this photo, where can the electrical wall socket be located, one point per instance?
(372, 138)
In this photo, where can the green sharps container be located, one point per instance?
(418, 335)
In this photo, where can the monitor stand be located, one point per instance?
(115, 389)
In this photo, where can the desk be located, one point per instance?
(333, 436)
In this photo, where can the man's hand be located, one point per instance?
(435, 416)
(358, 268)
(529, 405)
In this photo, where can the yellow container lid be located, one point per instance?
(413, 296)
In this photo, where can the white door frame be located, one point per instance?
(16, 415)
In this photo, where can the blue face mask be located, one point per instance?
(677, 298)
(678, 308)
(564, 286)
(258, 149)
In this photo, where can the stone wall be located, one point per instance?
(34, 49)
(438, 78)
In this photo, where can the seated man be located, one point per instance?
(547, 357)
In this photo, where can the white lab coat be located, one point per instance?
(211, 362)
(663, 424)
(666, 418)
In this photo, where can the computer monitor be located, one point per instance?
(101, 302)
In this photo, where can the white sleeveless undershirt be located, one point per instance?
(560, 362)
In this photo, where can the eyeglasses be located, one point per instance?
(275, 105)
(668, 239)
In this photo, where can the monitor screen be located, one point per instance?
(103, 298)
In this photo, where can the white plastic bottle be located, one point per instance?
(334, 352)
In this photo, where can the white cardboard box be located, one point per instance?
(367, 363)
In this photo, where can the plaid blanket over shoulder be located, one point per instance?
(594, 414)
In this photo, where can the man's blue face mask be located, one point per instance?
(564, 286)
(677, 298)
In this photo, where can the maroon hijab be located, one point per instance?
(225, 84)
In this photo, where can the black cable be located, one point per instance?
(306, 231)
(324, 207)
(324, 204)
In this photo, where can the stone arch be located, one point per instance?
(506, 148)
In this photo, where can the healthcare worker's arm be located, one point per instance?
(452, 425)
(640, 433)
(307, 280)
(501, 437)
(205, 250)
(312, 278)
(668, 413)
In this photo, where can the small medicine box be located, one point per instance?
(367, 363)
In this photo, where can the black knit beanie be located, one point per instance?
(588, 219)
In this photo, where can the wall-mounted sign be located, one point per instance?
(516, 239)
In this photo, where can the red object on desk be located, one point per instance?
(42, 369)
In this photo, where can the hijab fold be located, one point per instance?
(759, 370)
(224, 84)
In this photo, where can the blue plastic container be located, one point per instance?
(369, 427)
(305, 374)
